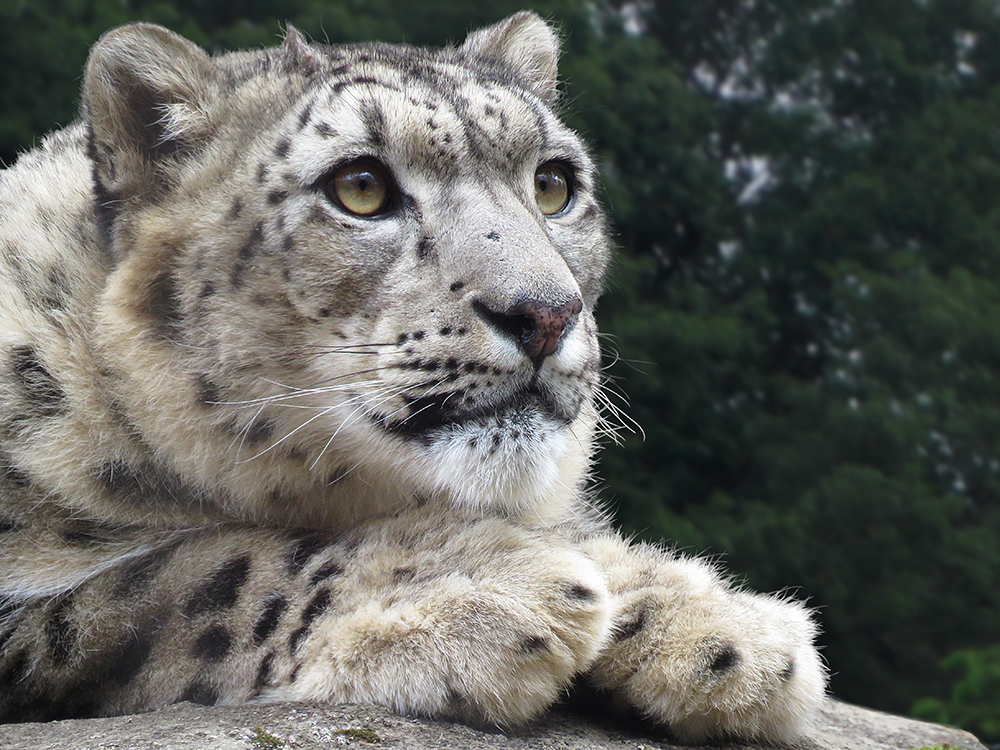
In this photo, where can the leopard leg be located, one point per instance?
(474, 619)
(485, 622)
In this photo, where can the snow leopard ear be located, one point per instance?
(525, 44)
(298, 53)
(147, 94)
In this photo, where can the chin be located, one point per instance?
(512, 465)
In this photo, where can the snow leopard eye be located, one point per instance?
(361, 187)
(553, 190)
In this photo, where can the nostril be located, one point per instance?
(536, 326)
(517, 327)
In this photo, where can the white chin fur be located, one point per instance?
(512, 475)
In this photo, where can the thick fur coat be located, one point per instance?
(299, 386)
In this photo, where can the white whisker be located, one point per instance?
(349, 420)
(324, 410)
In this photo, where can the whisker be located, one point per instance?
(418, 411)
(616, 357)
(338, 347)
(242, 434)
(611, 413)
(349, 420)
(296, 392)
(276, 443)
(333, 437)
(324, 411)
(387, 416)
(343, 475)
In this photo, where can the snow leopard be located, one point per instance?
(300, 390)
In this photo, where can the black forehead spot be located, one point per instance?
(304, 115)
(374, 120)
(253, 242)
(426, 247)
(236, 210)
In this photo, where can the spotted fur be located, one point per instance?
(258, 445)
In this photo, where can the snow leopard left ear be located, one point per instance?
(527, 45)
(148, 95)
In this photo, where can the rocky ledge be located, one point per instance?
(311, 727)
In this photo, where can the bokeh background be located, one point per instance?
(805, 309)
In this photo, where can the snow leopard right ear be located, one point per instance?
(147, 94)
(527, 45)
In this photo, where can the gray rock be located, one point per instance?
(312, 727)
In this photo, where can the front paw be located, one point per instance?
(492, 636)
(722, 664)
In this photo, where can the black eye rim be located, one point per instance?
(390, 205)
(570, 172)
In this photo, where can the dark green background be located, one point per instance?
(805, 310)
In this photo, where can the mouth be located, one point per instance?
(429, 415)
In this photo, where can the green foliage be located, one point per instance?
(811, 263)
(974, 695)
(807, 198)
(44, 43)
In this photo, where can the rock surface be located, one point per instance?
(311, 727)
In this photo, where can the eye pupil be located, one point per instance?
(552, 188)
(361, 187)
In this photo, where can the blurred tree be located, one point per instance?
(44, 43)
(812, 251)
(973, 700)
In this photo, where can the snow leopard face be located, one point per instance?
(364, 266)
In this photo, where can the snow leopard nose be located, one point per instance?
(536, 326)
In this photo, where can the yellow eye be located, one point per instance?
(552, 188)
(361, 187)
